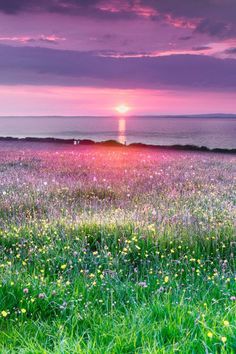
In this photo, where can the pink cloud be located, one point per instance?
(27, 39)
(181, 22)
(135, 8)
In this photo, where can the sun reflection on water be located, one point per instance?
(122, 131)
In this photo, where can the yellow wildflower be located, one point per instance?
(4, 313)
(166, 279)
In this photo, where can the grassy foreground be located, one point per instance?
(89, 269)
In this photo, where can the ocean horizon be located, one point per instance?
(212, 131)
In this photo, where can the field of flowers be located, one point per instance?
(116, 250)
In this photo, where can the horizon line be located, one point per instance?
(123, 116)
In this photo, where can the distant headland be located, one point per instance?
(114, 143)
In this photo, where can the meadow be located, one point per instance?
(116, 250)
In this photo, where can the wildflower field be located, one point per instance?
(116, 250)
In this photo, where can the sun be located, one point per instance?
(122, 109)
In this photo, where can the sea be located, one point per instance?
(210, 131)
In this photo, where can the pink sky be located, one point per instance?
(86, 57)
(23, 100)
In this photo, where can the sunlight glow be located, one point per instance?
(122, 109)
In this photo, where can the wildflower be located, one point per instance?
(42, 296)
(224, 339)
(209, 334)
(26, 291)
(63, 266)
(226, 323)
(23, 310)
(143, 284)
(166, 279)
(4, 313)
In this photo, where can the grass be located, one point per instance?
(117, 265)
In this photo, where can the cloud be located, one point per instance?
(212, 17)
(218, 29)
(13, 6)
(51, 39)
(192, 9)
(42, 66)
(185, 38)
(97, 8)
(231, 50)
(200, 48)
(224, 9)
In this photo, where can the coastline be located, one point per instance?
(114, 143)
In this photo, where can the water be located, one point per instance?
(210, 132)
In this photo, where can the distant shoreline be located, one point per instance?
(114, 143)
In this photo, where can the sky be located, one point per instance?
(86, 57)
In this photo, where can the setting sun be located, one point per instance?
(122, 109)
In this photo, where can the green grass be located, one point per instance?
(116, 251)
(116, 289)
